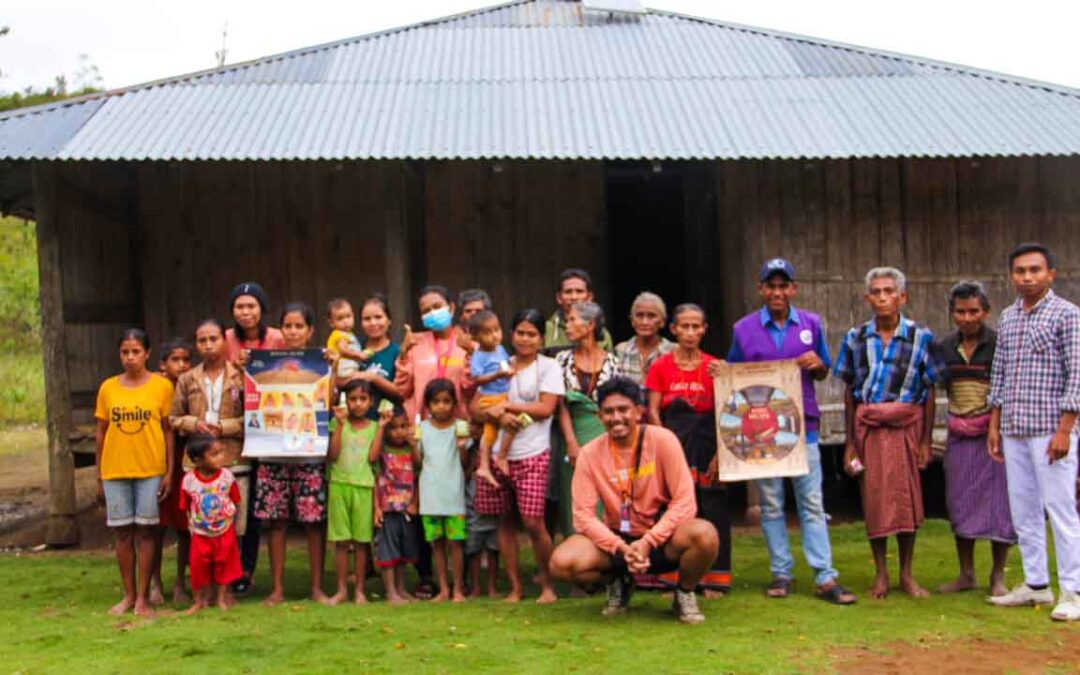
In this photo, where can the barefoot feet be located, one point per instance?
(337, 598)
(179, 595)
(122, 607)
(912, 588)
(547, 596)
(275, 598)
(157, 595)
(962, 583)
(880, 589)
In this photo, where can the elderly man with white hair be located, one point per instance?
(890, 370)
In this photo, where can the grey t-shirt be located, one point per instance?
(442, 478)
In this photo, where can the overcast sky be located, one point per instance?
(132, 41)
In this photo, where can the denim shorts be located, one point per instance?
(132, 501)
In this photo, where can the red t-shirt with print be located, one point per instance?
(693, 386)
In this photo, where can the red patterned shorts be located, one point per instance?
(526, 486)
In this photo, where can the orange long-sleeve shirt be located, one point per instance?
(663, 481)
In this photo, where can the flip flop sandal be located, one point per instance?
(779, 587)
(425, 590)
(835, 594)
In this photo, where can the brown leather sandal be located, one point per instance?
(779, 587)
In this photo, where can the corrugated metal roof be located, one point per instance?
(546, 79)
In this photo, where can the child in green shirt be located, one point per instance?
(352, 482)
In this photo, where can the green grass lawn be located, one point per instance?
(55, 618)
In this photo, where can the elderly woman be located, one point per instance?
(648, 315)
(681, 399)
(975, 490)
(584, 368)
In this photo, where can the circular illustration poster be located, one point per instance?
(760, 424)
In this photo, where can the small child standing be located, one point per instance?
(209, 495)
(491, 371)
(342, 340)
(442, 486)
(352, 482)
(175, 361)
(395, 501)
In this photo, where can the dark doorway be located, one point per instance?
(646, 231)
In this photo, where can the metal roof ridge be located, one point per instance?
(187, 77)
(883, 53)
(190, 78)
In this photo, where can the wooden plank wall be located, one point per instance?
(305, 231)
(938, 220)
(161, 244)
(101, 283)
(510, 230)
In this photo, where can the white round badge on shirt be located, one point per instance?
(806, 337)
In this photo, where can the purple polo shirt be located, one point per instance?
(757, 338)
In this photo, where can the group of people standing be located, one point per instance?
(613, 447)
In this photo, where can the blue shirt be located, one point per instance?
(488, 363)
(902, 372)
(758, 338)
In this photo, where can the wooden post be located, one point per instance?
(61, 529)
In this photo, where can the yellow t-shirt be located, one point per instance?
(134, 441)
(336, 337)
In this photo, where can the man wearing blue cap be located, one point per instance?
(778, 331)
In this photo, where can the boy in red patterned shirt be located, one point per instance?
(209, 495)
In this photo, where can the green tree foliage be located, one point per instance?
(22, 389)
(19, 321)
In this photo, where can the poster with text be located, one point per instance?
(286, 404)
(760, 430)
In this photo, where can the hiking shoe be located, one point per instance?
(1023, 595)
(684, 604)
(618, 595)
(1068, 607)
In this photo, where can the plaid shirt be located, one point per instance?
(629, 357)
(1036, 373)
(901, 372)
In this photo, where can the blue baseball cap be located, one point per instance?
(776, 266)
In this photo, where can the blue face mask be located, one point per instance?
(438, 319)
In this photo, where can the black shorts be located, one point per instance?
(658, 562)
(398, 541)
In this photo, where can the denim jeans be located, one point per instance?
(812, 517)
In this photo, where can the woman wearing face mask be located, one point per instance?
(432, 354)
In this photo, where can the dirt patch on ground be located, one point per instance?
(24, 486)
(1055, 654)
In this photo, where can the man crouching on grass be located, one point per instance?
(640, 475)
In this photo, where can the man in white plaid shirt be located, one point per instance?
(1035, 394)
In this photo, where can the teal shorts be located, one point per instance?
(444, 527)
(349, 513)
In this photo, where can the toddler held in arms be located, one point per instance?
(491, 370)
(342, 340)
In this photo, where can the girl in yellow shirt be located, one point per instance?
(134, 455)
